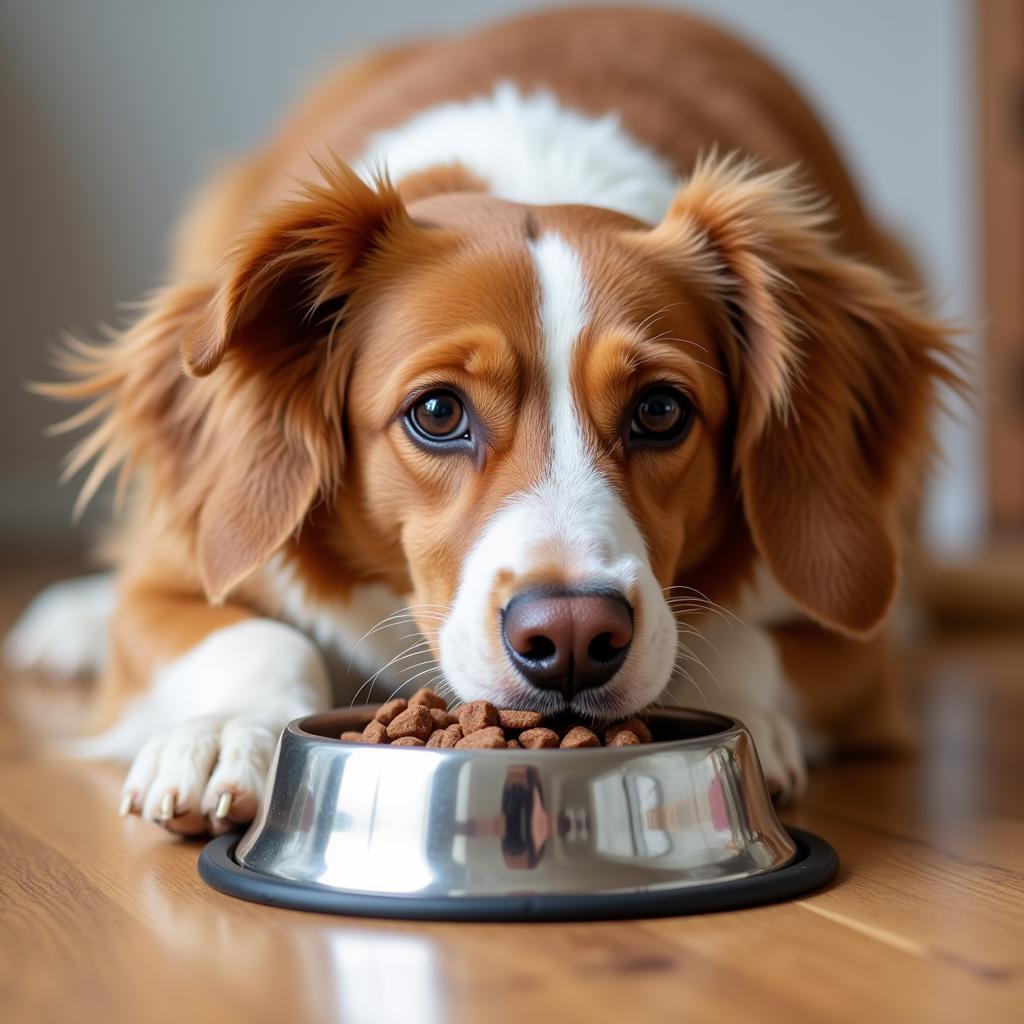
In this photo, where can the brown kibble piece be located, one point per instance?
(445, 738)
(375, 732)
(387, 713)
(624, 738)
(441, 718)
(579, 736)
(413, 721)
(490, 737)
(478, 714)
(424, 720)
(520, 719)
(537, 739)
(451, 736)
(428, 699)
(633, 725)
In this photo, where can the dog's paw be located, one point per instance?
(64, 630)
(205, 775)
(779, 749)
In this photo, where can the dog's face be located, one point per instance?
(538, 415)
(537, 420)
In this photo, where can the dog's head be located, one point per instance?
(537, 420)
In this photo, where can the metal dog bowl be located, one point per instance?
(682, 825)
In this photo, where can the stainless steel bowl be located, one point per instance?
(509, 833)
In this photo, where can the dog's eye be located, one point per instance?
(661, 414)
(438, 416)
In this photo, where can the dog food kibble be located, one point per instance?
(445, 738)
(429, 699)
(478, 714)
(579, 736)
(633, 725)
(535, 739)
(441, 718)
(375, 732)
(491, 737)
(413, 721)
(424, 721)
(624, 738)
(386, 712)
(517, 720)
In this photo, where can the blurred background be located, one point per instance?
(115, 110)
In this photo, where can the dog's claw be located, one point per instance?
(223, 806)
(167, 808)
(126, 804)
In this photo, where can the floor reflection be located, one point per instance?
(383, 977)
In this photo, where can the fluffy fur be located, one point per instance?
(256, 408)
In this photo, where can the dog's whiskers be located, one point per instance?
(409, 652)
(409, 610)
(399, 617)
(430, 668)
(700, 599)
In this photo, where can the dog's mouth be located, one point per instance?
(597, 706)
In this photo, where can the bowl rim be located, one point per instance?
(728, 729)
(813, 865)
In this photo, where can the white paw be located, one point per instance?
(205, 775)
(779, 749)
(64, 631)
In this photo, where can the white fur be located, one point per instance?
(764, 601)
(531, 149)
(734, 668)
(367, 629)
(64, 630)
(572, 510)
(210, 720)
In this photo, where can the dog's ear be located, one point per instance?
(835, 372)
(272, 435)
(300, 255)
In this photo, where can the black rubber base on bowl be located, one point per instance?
(815, 865)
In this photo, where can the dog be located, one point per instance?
(557, 365)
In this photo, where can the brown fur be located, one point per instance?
(303, 322)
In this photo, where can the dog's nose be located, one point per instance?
(568, 640)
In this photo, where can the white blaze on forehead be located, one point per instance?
(579, 508)
(563, 315)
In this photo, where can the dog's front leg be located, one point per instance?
(213, 712)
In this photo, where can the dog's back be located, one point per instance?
(677, 84)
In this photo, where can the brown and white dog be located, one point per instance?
(585, 382)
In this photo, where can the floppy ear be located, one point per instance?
(272, 435)
(835, 371)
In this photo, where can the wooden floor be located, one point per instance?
(105, 919)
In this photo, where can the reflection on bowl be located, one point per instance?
(687, 810)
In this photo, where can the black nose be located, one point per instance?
(568, 640)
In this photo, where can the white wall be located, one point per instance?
(114, 109)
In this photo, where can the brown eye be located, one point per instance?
(438, 417)
(661, 414)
